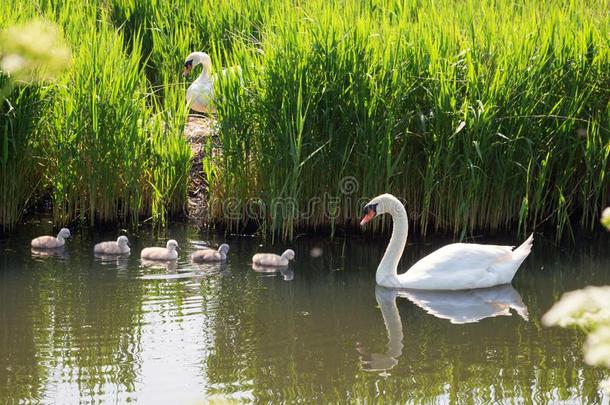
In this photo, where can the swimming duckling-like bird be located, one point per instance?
(51, 242)
(159, 253)
(273, 260)
(211, 255)
(118, 247)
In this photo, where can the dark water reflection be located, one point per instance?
(75, 327)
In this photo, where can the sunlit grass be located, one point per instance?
(102, 145)
(30, 54)
(480, 115)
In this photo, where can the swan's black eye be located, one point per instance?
(369, 208)
(188, 63)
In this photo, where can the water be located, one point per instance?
(75, 328)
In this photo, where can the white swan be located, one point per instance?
(273, 260)
(118, 247)
(200, 93)
(458, 266)
(210, 255)
(159, 253)
(51, 242)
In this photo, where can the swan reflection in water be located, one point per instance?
(169, 265)
(59, 252)
(286, 272)
(458, 307)
(121, 261)
(174, 272)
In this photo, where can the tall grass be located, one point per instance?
(106, 149)
(20, 108)
(489, 115)
(18, 173)
(485, 115)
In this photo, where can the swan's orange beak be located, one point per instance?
(187, 70)
(370, 214)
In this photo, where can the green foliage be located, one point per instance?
(96, 139)
(29, 53)
(19, 174)
(480, 115)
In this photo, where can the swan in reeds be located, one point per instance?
(51, 242)
(200, 94)
(273, 260)
(118, 247)
(161, 254)
(457, 266)
(210, 255)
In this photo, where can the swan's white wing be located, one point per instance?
(199, 94)
(463, 256)
(458, 266)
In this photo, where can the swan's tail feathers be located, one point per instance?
(508, 268)
(524, 250)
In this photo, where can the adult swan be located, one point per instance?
(458, 266)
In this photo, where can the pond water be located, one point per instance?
(76, 328)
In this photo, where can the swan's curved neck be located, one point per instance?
(387, 271)
(204, 72)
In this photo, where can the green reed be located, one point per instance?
(107, 149)
(18, 180)
(481, 116)
(485, 115)
(21, 104)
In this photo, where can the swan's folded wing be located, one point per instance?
(457, 266)
(463, 256)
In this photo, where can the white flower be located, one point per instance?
(589, 309)
(597, 347)
(12, 63)
(33, 51)
(586, 308)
